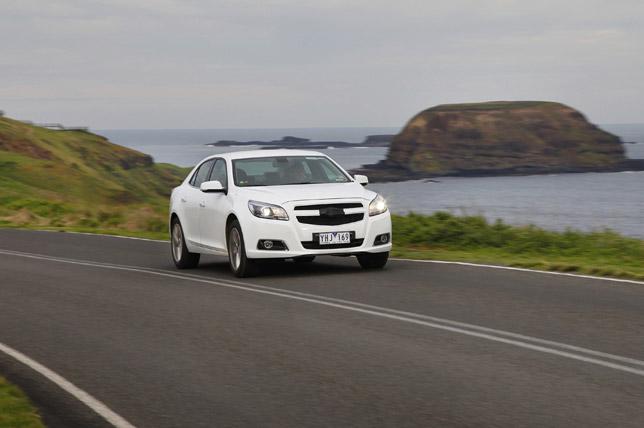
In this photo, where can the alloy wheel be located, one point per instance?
(177, 241)
(235, 249)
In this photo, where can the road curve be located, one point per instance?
(320, 345)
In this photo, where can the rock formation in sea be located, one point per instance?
(289, 142)
(499, 138)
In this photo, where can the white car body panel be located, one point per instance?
(203, 215)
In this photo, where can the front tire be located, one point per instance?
(373, 260)
(240, 265)
(182, 258)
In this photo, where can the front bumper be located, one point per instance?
(294, 239)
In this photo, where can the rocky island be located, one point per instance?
(500, 138)
(290, 142)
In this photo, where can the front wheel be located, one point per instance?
(182, 258)
(240, 265)
(373, 260)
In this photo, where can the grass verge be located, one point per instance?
(443, 236)
(15, 409)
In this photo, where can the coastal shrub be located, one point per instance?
(443, 230)
(40, 207)
(155, 225)
(88, 222)
(111, 218)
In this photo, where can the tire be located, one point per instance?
(303, 259)
(240, 265)
(373, 260)
(183, 259)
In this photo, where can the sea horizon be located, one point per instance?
(620, 124)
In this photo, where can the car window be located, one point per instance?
(285, 170)
(219, 173)
(330, 172)
(202, 173)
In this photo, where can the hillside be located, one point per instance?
(499, 138)
(79, 179)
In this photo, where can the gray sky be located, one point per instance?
(298, 63)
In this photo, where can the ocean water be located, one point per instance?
(186, 147)
(589, 201)
(555, 202)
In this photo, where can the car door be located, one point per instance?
(191, 200)
(214, 208)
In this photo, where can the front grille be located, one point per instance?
(315, 243)
(330, 221)
(321, 206)
(330, 214)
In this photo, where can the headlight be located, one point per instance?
(264, 210)
(377, 206)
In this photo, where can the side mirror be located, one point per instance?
(212, 186)
(362, 179)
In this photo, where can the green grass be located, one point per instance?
(79, 167)
(15, 409)
(472, 238)
(54, 179)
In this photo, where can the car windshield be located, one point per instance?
(284, 170)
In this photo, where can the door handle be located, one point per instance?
(183, 199)
(202, 204)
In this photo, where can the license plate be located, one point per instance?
(335, 238)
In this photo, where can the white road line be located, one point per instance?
(545, 272)
(615, 362)
(82, 396)
(441, 320)
(104, 234)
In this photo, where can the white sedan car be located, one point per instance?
(276, 204)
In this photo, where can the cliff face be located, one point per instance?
(500, 138)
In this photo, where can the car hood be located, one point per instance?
(303, 192)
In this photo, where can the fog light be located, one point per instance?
(382, 239)
(271, 245)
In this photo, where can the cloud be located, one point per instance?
(316, 63)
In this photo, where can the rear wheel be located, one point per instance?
(240, 265)
(373, 260)
(183, 259)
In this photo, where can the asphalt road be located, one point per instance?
(320, 345)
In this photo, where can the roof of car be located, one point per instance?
(267, 153)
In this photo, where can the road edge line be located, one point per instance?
(573, 275)
(84, 397)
